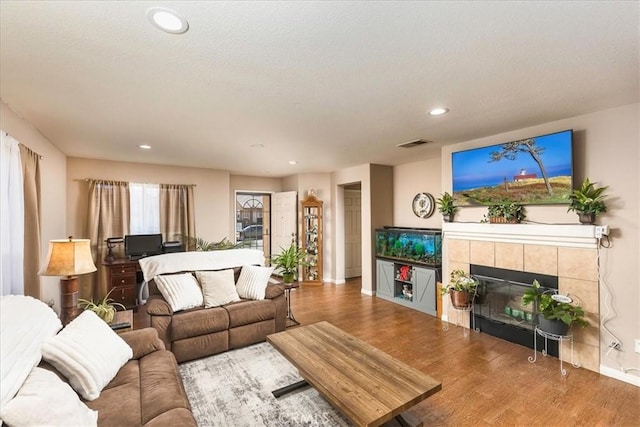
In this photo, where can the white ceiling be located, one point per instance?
(330, 84)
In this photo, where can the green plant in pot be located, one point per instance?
(587, 201)
(105, 308)
(555, 312)
(288, 261)
(506, 213)
(461, 288)
(446, 206)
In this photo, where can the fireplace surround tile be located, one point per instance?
(585, 291)
(587, 355)
(509, 256)
(578, 263)
(541, 259)
(482, 253)
(459, 251)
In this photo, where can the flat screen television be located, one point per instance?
(530, 171)
(141, 245)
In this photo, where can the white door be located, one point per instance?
(284, 220)
(352, 234)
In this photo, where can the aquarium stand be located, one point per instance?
(549, 336)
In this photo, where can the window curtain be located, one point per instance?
(177, 214)
(32, 202)
(107, 216)
(12, 217)
(145, 208)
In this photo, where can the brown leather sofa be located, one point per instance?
(200, 332)
(147, 390)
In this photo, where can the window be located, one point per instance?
(144, 208)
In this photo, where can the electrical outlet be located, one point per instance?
(602, 230)
(637, 345)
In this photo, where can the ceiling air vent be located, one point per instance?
(412, 144)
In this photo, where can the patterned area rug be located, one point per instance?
(234, 389)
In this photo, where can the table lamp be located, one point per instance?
(69, 258)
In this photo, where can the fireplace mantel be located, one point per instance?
(568, 235)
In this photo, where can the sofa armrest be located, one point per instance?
(157, 306)
(274, 290)
(143, 341)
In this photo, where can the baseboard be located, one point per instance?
(444, 318)
(619, 375)
(368, 292)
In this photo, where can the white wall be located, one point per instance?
(410, 179)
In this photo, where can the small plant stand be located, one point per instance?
(548, 336)
(460, 310)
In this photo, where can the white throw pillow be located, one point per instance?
(253, 281)
(88, 353)
(218, 287)
(181, 291)
(46, 400)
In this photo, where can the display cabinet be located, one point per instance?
(312, 239)
(406, 284)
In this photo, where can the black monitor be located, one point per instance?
(141, 245)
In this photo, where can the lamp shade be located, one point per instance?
(68, 257)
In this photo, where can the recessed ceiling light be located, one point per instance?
(438, 111)
(293, 162)
(167, 20)
(144, 146)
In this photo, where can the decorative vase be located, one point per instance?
(287, 277)
(460, 299)
(447, 217)
(586, 218)
(501, 220)
(553, 326)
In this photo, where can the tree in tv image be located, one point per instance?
(529, 171)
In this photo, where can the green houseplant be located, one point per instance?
(556, 314)
(461, 288)
(505, 213)
(105, 308)
(446, 206)
(587, 201)
(288, 261)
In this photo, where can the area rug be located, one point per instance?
(234, 389)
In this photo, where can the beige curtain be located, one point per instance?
(107, 216)
(177, 215)
(31, 185)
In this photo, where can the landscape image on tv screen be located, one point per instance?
(530, 171)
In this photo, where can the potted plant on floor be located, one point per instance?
(105, 309)
(556, 314)
(461, 289)
(288, 261)
(587, 202)
(446, 206)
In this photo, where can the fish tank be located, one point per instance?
(414, 245)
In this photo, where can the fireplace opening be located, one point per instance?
(498, 308)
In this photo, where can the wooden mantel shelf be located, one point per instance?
(568, 235)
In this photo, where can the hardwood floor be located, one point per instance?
(486, 381)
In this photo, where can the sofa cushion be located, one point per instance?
(88, 353)
(218, 287)
(44, 399)
(199, 322)
(253, 281)
(25, 323)
(119, 401)
(181, 291)
(248, 311)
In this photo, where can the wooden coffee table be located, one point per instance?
(367, 385)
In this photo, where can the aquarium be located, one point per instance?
(415, 245)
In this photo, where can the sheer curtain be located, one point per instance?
(12, 217)
(107, 216)
(177, 214)
(32, 201)
(145, 208)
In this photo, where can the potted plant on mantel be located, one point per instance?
(587, 202)
(461, 289)
(288, 261)
(505, 213)
(556, 314)
(446, 206)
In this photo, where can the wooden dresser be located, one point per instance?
(122, 279)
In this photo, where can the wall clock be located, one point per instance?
(423, 205)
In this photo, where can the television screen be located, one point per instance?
(531, 171)
(139, 245)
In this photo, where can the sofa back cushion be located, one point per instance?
(181, 291)
(25, 323)
(218, 287)
(253, 281)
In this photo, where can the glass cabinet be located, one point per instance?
(312, 239)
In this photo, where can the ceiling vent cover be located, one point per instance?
(415, 143)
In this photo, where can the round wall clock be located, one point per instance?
(423, 205)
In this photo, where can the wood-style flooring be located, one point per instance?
(486, 381)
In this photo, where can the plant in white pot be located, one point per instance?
(288, 261)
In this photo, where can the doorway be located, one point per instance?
(352, 231)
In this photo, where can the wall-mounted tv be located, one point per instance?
(531, 171)
(141, 245)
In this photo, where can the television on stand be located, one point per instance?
(138, 246)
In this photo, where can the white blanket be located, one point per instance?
(193, 261)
